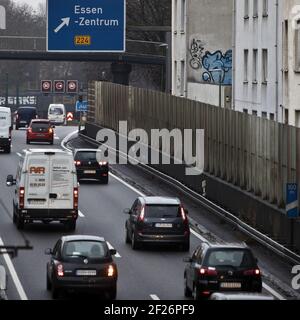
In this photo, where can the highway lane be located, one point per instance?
(142, 273)
(145, 274)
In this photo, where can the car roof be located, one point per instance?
(87, 150)
(27, 107)
(242, 245)
(160, 200)
(82, 238)
(40, 120)
(5, 109)
(241, 296)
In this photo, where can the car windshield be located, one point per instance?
(37, 125)
(237, 258)
(56, 111)
(86, 249)
(162, 211)
(88, 155)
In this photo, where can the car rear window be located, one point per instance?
(162, 211)
(85, 249)
(44, 125)
(26, 111)
(56, 111)
(237, 258)
(87, 156)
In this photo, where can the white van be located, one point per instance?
(57, 114)
(5, 129)
(46, 188)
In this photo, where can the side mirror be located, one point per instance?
(113, 252)
(48, 252)
(53, 126)
(127, 211)
(10, 181)
(188, 260)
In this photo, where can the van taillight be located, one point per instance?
(183, 215)
(252, 272)
(75, 192)
(208, 271)
(21, 197)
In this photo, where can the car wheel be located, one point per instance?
(112, 293)
(51, 142)
(186, 246)
(187, 291)
(54, 292)
(196, 293)
(7, 149)
(14, 217)
(17, 127)
(71, 225)
(105, 180)
(49, 286)
(27, 141)
(20, 223)
(127, 239)
(134, 243)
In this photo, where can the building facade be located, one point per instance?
(266, 71)
(202, 50)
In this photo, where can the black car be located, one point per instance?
(24, 115)
(89, 165)
(217, 268)
(82, 263)
(157, 220)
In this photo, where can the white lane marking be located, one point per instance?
(19, 154)
(273, 292)
(56, 138)
(14, 275)
(128, 185)
(154, 297)
(81, 215)
(198, 236)
(117, 255)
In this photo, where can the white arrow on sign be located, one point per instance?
(65, 22)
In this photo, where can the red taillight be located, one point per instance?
(17, 116)
(110, 271)
(29, 130)
(208, 271)
(60, 270)
(77, 163)
(21, 197)
(252, 272)
(142, 215)
(75, 192)
(183, 215)
(50, 130)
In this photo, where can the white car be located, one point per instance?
(46, 188)
(5, 129)
(57, 114)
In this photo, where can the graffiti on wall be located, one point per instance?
(196, 51)
(218, 67)
(214, 67)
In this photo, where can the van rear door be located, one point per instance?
(61, 182)
(37, 182)
(5, 124)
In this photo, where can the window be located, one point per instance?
(254, 112)
(183, 12)
(285, 44)
(264, 114)
(182, 79)
(254, 76)
(297, 48)
(272, 116)
(264, 66)
(255, 8)
(175, 85)
(245, 111)
(162, 211)
(246, 55)
(246, 8)
(175, 13)
(265, 8)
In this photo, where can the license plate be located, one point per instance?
(23, 122)
(231, 285)
(86, 273)
(163, 225)
(36, 201)
(90, 171)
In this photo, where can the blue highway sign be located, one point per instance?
(86, 26)
(81, 106)
(292, 200)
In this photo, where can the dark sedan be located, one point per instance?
(221, 268)
(82, 264)
(89, 165)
